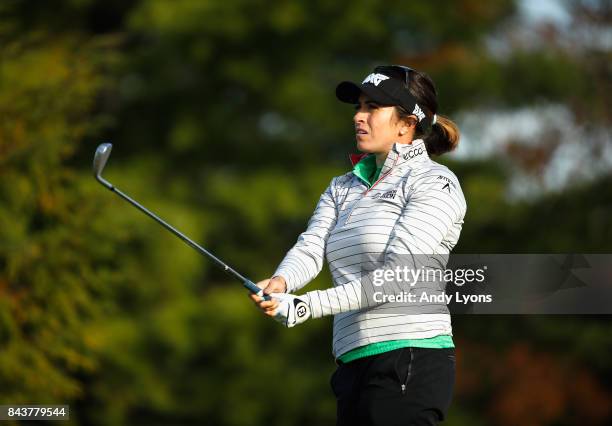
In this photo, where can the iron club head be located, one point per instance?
(100, 159)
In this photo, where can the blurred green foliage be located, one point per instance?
(223, 121)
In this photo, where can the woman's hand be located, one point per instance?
(272, 285)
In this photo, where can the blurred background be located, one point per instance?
(224, 121)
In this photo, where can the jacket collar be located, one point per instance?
(356, 158)
(400, 153)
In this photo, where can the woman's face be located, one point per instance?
(377, 127)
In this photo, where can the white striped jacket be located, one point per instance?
(415, 207)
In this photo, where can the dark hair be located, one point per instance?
(441, 137)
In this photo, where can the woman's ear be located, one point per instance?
(407, 124)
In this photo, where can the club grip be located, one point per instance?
(253, 288)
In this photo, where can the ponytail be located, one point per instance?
(443, 136)
(440, 137)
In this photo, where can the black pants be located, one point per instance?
(408, 386)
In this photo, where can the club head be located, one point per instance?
(100, 159)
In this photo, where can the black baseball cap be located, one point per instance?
(386, 85)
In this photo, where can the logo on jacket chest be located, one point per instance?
(385, 195)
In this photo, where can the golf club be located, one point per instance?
(100, 159)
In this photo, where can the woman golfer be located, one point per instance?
(396, 211)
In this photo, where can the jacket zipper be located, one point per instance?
(408, 374)
(370, 188)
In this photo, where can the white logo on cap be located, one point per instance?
(418, 112)
(375, 79)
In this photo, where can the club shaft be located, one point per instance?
(250, 285)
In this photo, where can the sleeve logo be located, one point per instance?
(447, 183)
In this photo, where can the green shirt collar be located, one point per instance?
(366, 170)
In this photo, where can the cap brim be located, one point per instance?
(349, 92)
